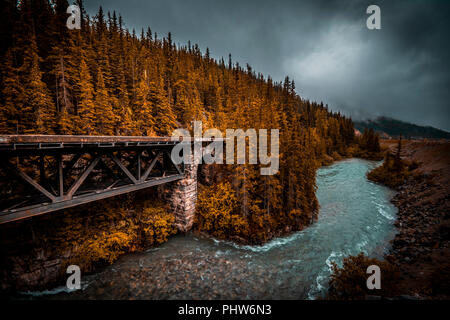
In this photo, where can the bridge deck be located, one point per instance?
(116, 164)
(41, 138)
(19, 143)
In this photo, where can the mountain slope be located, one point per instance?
(394, 128)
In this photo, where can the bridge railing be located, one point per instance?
(57, 172)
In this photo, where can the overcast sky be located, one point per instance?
(401, 71)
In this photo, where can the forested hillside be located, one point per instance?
(395, 128)
(107, 80)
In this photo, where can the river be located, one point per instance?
(355, 215)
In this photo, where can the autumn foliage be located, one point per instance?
(92, 235)
(116, 233)
(350, 281)
(217, 212)
(394, 171)
(107, 80)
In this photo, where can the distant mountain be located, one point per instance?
(393, 128)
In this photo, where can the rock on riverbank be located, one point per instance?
(421, 249)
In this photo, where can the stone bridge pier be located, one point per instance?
(181, 195)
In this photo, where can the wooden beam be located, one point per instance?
(83, 177)
(124, 169)
(42, 176)
(62, 198)
(72, 163)
(150, 167)
(33, 183)
(35, 210)
(60, 175)
(139, 164)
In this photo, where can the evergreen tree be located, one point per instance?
(103, 106)
(13, 96)
(103, 79)
(38, 111)
(162, 111)
(86, 118)
(143, 108)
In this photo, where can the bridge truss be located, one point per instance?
(41, 174)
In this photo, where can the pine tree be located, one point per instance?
(86, 118)
(103, 107)
(13, 96)
(143, 108)
(63, 89)
(165, 119)
(38, 111)
(148, 86)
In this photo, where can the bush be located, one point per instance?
(104, 248)
(440, 280)
(101, 238)
(326, 160)
(349, 282)
(217, 212)
(157, 225)
(392, 173)
(336, 156)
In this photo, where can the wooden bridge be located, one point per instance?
(45, 173)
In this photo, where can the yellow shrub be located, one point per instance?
(349, 282)
(106, 231)
(106, 248)
(217, 214)
(392, 172)
(157, 224)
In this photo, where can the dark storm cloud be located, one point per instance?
(400, 71)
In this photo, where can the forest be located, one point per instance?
(104, 79)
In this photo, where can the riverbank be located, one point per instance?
(36, 252)
(35, 257)
(291, 267)
(421, 248)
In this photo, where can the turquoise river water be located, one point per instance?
(355, 216)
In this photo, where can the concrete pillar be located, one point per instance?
(181, 196)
